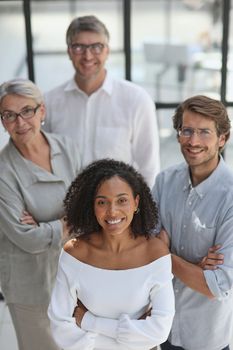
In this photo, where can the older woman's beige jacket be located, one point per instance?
(29, 254)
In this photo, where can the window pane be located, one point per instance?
(230, 60)
(12, 40)
(13, 47)
(169, 147)
(177, 47)
(228, 152)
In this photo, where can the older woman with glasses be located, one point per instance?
(36, 169)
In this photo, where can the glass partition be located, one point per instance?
(228, 152)
(176, 48)
(12, 40)
(13, 47)
(169, 147)
(229, 96)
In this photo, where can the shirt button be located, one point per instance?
(190, 203)
(182, 247)
(184, 226)
(176, 290)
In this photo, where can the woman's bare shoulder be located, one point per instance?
(157, 248)
(80, 247)
(71, 246)
(77, 247)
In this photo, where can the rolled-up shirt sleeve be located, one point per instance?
(220, 281)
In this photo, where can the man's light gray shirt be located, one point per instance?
(196, 219)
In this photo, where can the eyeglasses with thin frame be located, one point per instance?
(204, 133)
(26, 113)
(95, 48)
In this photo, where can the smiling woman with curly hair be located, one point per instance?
(79, 202)
(114, 283)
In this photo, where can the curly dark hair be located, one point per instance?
(79, 200)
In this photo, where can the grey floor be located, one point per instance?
(7, 333)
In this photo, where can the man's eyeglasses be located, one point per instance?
(189, 132)
(26, 113)
(95, 48)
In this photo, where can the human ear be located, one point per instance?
(222, 140)
(137, 198)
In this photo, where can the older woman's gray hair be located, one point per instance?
(21, 87)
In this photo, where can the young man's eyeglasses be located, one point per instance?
(95, 48)
(189, 132)
(26, 113)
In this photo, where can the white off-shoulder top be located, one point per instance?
(115, 300)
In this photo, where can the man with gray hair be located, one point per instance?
(107, 117)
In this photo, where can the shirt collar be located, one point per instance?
(208, 184)
(186, 179)
(32, 174)
(107, 85)
(71, 85)
(54, 148)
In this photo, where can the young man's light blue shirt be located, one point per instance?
(197, 218)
